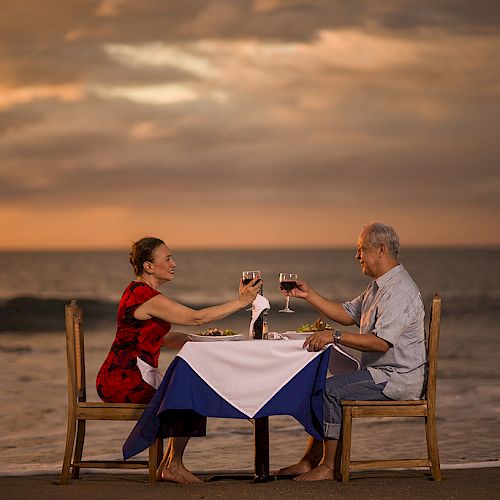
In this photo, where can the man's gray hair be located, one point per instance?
(379, 234)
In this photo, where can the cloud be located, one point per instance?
(269, 110)
(159, 55)
(10, 97)
(156, 94)
(110, 8)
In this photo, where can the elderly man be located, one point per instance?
(390, 316)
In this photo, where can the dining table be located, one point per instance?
(246, 379)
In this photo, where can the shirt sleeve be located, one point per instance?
(393, 317)
(353, 309)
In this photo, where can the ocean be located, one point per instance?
(35, 285)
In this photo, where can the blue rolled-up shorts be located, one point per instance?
(356, 385)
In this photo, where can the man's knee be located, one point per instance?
(345, 386)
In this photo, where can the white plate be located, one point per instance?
(213, 338)
(292, 335)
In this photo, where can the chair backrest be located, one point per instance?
(75, 353)
(432, 350)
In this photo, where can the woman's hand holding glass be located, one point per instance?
(249, 292)
(247, 277)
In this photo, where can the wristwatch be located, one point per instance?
(337, 335)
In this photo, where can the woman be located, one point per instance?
(144, 319)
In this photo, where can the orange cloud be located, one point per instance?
(10, 96)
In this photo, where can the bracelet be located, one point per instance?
(336, 335)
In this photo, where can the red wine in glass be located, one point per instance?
(288, 281)
(288, 285)
(249, 276)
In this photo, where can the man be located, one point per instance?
(390, 316)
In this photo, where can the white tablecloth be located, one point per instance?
(253, 371)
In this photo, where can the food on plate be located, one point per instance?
(217, 332)
(318, 326)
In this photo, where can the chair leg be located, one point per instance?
(346, 443)
(159, 451)
(80, 438)
(337, 469)
(432, 447)
(153, 461)
(68, 451)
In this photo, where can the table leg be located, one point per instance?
(261, 439)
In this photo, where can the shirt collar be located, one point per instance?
(384, 279)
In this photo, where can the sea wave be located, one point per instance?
(40, 314)
(47, 314)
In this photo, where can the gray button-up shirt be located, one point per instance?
(391, 307)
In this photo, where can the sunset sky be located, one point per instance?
(233, 123)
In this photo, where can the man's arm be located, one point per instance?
(329, 308)
(364, 342)
(361, 342)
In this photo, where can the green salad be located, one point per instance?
(217, 332)
(318, 326)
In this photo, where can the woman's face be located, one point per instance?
(163, 264)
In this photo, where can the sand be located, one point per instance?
(456, 484)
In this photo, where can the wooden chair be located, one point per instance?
(79, 410)
(425, 408)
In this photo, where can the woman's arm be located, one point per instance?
(169, 310)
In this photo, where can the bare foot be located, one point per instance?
(177, 474)
(320, 473)
(164, 463)
(300, 467)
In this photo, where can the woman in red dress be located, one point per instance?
(144, 320)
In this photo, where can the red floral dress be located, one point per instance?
(119, 380)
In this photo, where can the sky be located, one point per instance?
(248, 123)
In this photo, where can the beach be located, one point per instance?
(456, 484)
(33, 384)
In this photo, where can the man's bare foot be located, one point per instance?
(177, 473)
(320, 473)
(300, 467)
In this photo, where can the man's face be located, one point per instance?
(368, 257)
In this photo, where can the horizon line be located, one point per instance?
(483, 246)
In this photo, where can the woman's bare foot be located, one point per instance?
(164, 463)
(177, 473)
(301, 467)
(320, 473)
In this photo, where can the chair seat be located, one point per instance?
(109, 411)
(100, 404)
(402, 402)
(403, 408)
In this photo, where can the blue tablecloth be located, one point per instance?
(182, 389)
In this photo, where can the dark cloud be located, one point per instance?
(60, 41)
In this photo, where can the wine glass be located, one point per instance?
(288, 281)
(247, 277)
